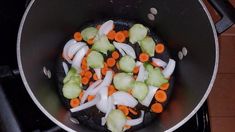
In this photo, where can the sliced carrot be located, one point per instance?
(115, 55)
(98, 26)
(74, 102)
(160, 96)
(84, 61)
(90, 41)
(77, 36)
(82, 73)
(84, 67)
(124, 109)
(127, 126)
(95, 77)
(120, 37)
(136, 70)
(159, 48)
(157, 108)
(111, 35)
(165, 86)
(111, 90)
(85, 80)
(133, 111)
(104, 70)
(143, 57)
(126, 33)
(90, 97)
(111, 62)
(81, 94)
(88, 74)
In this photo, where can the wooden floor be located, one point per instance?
(221, 100)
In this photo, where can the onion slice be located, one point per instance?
(98, 72)
(169, 68)
(78, 58)
(110, 107)
(73, 49)
(147, 100)
(137, 121)
(126, 48)
(159, 62)
(66, 49)
(138, 63)
(89, 90)
(106, 27)
(119, 49)
(106, 82)
(102, 105)
(123, 98)
(65, 67)
(86, 105)
(142, 74)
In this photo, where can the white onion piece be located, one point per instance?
(89, 90)
(98, 72)
(159, 62)
(169, 68)
(147, 100)
(66, 48)
(86, 105)
(106, 82)
(137, 121)
(73, 49)
(106, 27)
(138, 63)
(110, 107)
(65, 67)
(119, 49)
(142, 73)
(102, 105)
(78, 58)
(126, 48)
(123, 98)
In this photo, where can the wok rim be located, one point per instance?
(176, 126)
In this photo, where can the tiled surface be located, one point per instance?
(221, 100)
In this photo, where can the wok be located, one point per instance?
(47, 25)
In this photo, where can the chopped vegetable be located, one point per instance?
(111, 90)
(120, 37)
(124, 109)
(144, 57)
(123, 81)
(81, 95)
(140, 90)
(132, 111)
(157, 108)
(137, 121)
(77, 36)
(137, 32)
(169, 68)
(72, 72)
(88, 74)
(126, 33)
(71, 90)
(95, 77)
(111, 62)
(115, 55)
(78, 58)
(73, 49)
(127, 63)
(65, 67)
(148, 67)
(89, 33)
(155, 78)
(89, 90)
(165, 86)
(159, 62)
(66, 48)
(74, 102)
(95, 60)
(90, 41)
(123, 98)
(106, 27)
(147, 46)
(116, 121)
(111, 35)
(103, 45)
(160, 96)
(98, 72)
(159, 48)
(142, 74)
(85, 80)
(126, 48)
(151, 92)
(136, 70)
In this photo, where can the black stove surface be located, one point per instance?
(17, 110)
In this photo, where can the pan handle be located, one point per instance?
(227, 13)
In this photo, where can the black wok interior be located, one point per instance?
(49, 24)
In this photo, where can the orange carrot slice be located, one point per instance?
(74, 102)
(160, 96)
(77, 36)
(159, 48)
(144, 57)
(120, 37)
(157, 108)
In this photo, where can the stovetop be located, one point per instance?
(17, 110)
